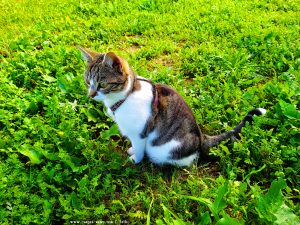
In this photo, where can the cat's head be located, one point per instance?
(106, 74)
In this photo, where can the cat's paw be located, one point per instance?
(130, 151)
(134, 160)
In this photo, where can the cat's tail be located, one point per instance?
(210, 141)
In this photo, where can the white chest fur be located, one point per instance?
(133, 114)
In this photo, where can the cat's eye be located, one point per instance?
(102, 85)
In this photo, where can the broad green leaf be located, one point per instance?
(284, 215)
(227, 220)
(289, 110)
(62, 84)
(74, 200)
(205, 218)
(169, 219)
(269, 204)
(92, 115)
(33, 155)
(204, 201)
(49, 78)
(112, 131)
(160, 222)
(219, 202)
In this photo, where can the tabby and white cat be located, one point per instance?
(154, 117)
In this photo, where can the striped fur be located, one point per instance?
(154, 117)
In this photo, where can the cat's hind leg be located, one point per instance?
(187, 152)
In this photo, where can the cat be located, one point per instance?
(154, 117)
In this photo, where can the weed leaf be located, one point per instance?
(112, 131)
(271, 206)
(168, 217)
(284, 215)
(149, 211)
(219, 202)
(33, 155)
(289, 110)
(205, 218)
(227, 220)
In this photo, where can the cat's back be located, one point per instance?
(171, 103)
(175, 137)
(173, 117)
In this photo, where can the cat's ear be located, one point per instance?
(112, 60)
(87, 54)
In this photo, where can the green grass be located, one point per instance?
(62, 159)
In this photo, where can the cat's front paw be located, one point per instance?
(134, 160)
(130, 151)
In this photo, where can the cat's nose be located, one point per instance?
(92, 93)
